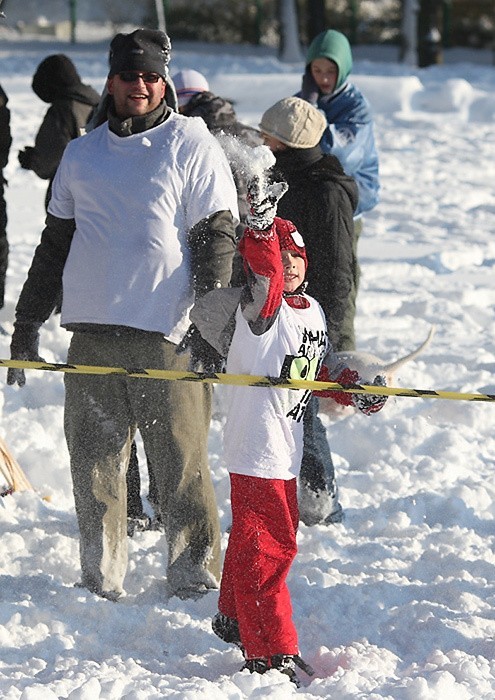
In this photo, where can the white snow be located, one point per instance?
(251, 162)
(396, 602)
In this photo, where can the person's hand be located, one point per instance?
(263, 199)
(25, 157)
(370, 403)
(23, 346)
(204, 357)
(347, 377)
(366, 403)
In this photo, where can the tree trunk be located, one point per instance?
(290, 48)
(316, 22)
(409, 32)
(429, 35)
(160, 15)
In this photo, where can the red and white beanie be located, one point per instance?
(290, 238)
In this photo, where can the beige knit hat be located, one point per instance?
(295, 122)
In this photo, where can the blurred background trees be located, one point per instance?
(459, 22)
(449, 23)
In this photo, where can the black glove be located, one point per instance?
(263, 199)
(25, 157)
(204, 357)
(23, 346)
(370, 403)
(309, 88)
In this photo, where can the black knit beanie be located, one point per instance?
(141, 50)
(53, 76)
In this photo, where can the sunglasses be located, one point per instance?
(129, 76)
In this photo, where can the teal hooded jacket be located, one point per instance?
(349, 134)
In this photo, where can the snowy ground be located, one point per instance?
(395, 603)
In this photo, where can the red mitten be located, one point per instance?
(347, 377)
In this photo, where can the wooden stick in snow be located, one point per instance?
(11, 472)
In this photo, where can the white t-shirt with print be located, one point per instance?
(263, 434)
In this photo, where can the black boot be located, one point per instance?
(256, 665)
(286, 664)
(227, 629)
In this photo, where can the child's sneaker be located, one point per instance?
(286, 664)
(256, 665)
(227, 629)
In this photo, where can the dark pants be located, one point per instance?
(4, 245)
(133, 478)
(317, 470)
(318, 492)
(347, 337)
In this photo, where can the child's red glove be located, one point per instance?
(366, 403)
(346, 377)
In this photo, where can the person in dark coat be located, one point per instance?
(5, 143)
(57, 82)
(217, 112)
(320, 201)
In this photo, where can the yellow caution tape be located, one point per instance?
(245, 380)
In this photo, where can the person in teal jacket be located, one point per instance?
(349, 135)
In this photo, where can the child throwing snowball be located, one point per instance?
(279, 331)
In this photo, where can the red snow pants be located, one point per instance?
(262, 546)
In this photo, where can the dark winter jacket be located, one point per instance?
(5, 135)
(57, 82)
(5, 143)
(320, 201)
(211, 242)
(220, 117)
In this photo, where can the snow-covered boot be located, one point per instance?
(139, 524)
(337, 514)
(319, 506)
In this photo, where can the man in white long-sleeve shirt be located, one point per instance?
(141, 221)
